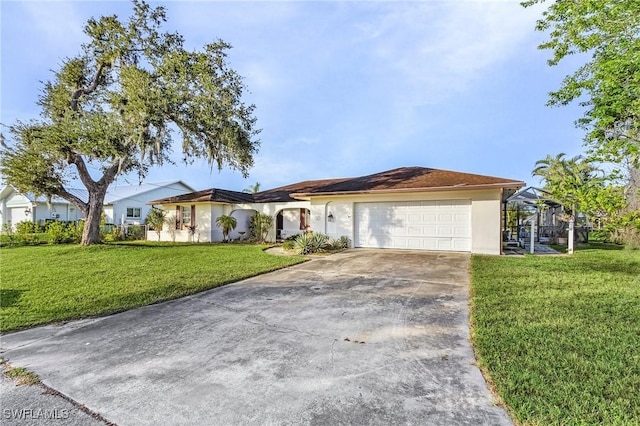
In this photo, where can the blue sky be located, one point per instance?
(342, 88)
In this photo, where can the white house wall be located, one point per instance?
(206, 230)
(55, 211)
(207, 213)
(118, 209)
(485, 216)
(342, 223)
(109, 216)
(291, 214)
(243, 218)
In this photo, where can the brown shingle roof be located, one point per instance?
(208, 195)
(402, 179)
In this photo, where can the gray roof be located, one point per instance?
(114, 194)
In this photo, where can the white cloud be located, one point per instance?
(436, 50)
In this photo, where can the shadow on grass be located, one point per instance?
(9, 297)
(168, 244)
(600, 246)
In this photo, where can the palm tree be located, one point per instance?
(252, 189)
(570, 181)
(155, 219)
(228, 224)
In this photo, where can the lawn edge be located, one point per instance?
(480, 363)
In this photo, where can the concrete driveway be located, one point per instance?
(361, 337)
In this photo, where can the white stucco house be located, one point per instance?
(405, 208)
(123, 203)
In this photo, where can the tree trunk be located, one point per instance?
(633, 188)
(91, 230)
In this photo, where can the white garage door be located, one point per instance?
(17, 215)
(422, 225)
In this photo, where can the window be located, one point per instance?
(185, 216)
(134, 213)
(304, 219)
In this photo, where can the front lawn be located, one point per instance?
(559, 336)
(44, 284)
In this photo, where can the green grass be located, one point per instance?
(44, 284)
(559, 336)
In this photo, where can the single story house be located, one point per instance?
(405, 208)
(123, 203)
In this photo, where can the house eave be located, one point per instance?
(309, 195)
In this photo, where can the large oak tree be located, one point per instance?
(119, 104)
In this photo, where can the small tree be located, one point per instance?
(156, 219)
(171, 227)
(260, 226)
(228, 224)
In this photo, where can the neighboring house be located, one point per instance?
(405, 208)
(16, 207)
(130, 203)
(123, 203)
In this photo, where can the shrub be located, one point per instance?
(112, 233)
(341, 243)
(7, 230)
(135, 232)
(75, 231)
(313, 242)
(58, 232)
(260, 225)
(26, 233)
(288, 244)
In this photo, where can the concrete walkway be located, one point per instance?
(360, 337)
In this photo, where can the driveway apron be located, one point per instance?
(360, 337)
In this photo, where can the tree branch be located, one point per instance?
(83, 171)
(84, 207)
(110, 174)
(85, 91)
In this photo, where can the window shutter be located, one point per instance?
(178, 217)
(193, 215)
(303, 219)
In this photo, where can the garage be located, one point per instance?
(17, 215)
(422, 225)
